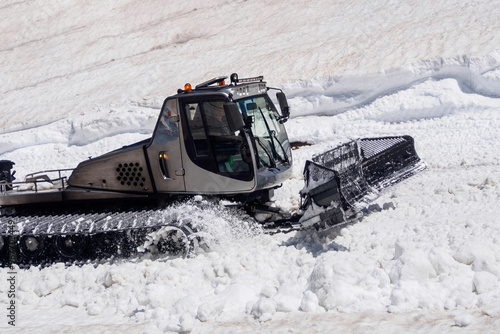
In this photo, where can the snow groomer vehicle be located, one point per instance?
(220, 138)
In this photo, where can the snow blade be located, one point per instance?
(339, 183)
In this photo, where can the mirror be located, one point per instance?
(285, 109)
(233, 116)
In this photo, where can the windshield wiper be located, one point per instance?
(285, 156)
(270, 132)
(269, 155)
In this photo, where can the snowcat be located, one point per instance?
(223, 139)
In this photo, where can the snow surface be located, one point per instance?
(79, 79)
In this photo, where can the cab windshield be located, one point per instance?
(271, 140)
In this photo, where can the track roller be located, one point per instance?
(31, 246)
(173, 240)
(4, 249)
(107, 244)
(168, 240)
(68, 246)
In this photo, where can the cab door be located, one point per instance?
(209, 142)
(164, 152)
(216, 159)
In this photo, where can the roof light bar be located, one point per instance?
(235, 79)
(254, 79)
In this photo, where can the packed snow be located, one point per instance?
(82, 78)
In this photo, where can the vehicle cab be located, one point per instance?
(231, 137)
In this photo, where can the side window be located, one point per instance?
(195, 121)
(165, 131)
(216, 119)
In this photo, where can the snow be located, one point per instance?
(82, 78)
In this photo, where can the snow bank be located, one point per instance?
(337, 94)
(84, 129)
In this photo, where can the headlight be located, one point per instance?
(242, 91)
(262, 88)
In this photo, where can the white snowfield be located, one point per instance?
(78, 79)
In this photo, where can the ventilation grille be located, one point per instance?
(131, 174)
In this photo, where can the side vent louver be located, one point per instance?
(130, 174)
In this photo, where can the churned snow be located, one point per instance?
(82, 78)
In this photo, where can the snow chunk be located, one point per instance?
(485, 282)
(264, 309)
(310, 302)
(442, 261)
(410, 264)
(210, 310)
(463, 320)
